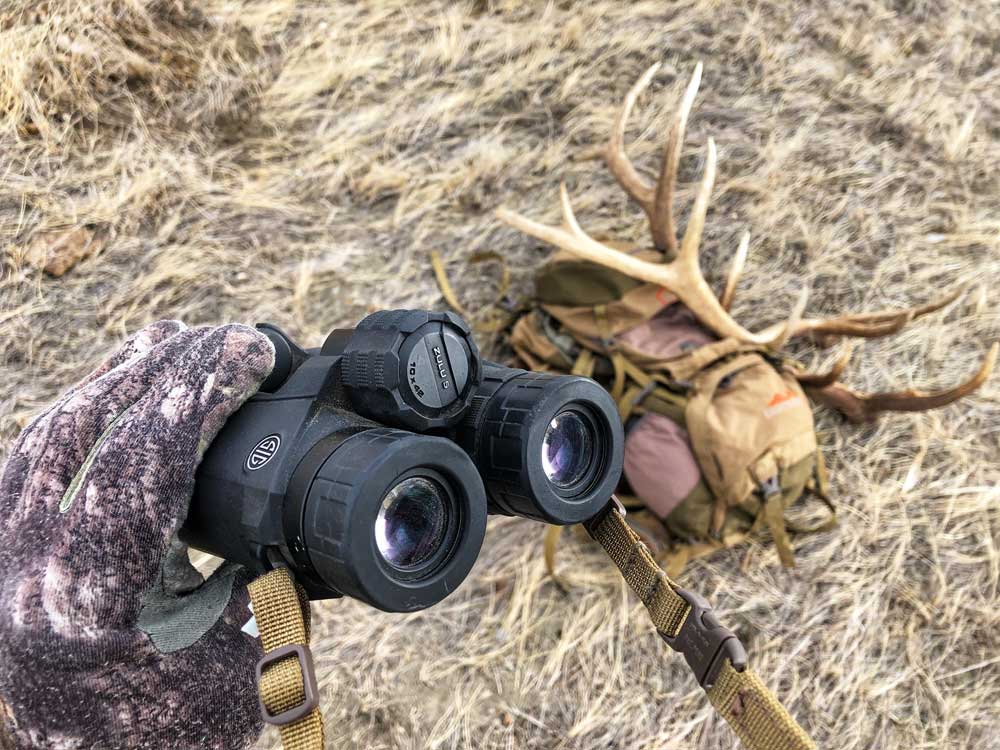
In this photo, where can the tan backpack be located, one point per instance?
(719, 435)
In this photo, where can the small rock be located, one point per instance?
(57, 252)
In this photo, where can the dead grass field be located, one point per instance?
(296, 161)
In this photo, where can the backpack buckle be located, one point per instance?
(705, 642)
(311, 699)
(770, 486)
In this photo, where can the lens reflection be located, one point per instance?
(567, 449)
(411, 522)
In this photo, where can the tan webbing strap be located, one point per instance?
(774, 516)
(754, 713)
(584, 364)
(685, 621)
(617, 360)
(288, 694)
(497, 318)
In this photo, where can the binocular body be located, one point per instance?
(368, 466)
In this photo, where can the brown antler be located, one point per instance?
(682, 275)
(656, 200)
(865, 407)
(735, 271)
(864, 325)
(821, 380)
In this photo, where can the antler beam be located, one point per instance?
(865, 407)
(866, 325)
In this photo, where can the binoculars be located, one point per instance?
(368, 466)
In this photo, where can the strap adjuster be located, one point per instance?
(705, 642)
(311, 700)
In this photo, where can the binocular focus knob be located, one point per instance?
(412, 368)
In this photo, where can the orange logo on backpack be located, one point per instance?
(782, 402)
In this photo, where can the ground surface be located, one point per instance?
(296, 162)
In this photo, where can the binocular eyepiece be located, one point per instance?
(368, 466)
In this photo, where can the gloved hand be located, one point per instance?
(108, 637)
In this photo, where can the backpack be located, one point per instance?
(720, 439)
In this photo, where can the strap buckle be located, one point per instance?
(705, 642)
(770, 486)
(311, 700)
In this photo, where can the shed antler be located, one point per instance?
(865, 325)
(682, 275)
(865, 407)
(656, 200)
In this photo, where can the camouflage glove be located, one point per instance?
(108, 637)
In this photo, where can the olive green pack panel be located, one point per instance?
(570, 290)
(569, 281)
(581, 284)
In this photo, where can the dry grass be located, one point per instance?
(296, 161)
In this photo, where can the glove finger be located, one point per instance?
(52, 451)
(139, 481)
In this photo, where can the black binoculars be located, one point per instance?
(368, 466)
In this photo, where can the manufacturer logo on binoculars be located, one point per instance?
(442, 369)
(263, 452)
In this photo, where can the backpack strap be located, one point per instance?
(584, 364)
(818, 486)
(685, 622)
(683, 369)
(616, 357)
(766, 473)
(497, 318)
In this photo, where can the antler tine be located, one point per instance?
(864, 407)
(910, 313)
(784, 331)
(662, 221)
(641, 190)
(869, 325)
(735, 271)
(696, 222)
(822, 380)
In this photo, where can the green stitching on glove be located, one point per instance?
(70, 495)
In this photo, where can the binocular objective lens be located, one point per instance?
(567, 449)
(411, 523)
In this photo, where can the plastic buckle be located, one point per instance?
(705, 642)
(770, 486)
(310, 688)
